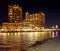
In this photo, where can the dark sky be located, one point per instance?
(51, 8)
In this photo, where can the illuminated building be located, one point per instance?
(15, 13)
(15, 17)
(37, 19)
(26, 31)
(12, 25)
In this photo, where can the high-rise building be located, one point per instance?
(37, 19)
(14, 13)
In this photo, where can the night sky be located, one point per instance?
(49, 7)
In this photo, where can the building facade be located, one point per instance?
(24, 32)
(12, 26)
(14, 13)
(37, 19)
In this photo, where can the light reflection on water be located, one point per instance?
(15, 41)
(10, 41)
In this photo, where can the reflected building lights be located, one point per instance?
(53, 34)
(56, 34)
(28, 31)
(0, 33)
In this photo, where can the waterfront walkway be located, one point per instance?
(49, 45)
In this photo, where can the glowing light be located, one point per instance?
(27, 13)
(24, 30)
(30, 14)
(36, 14)
(8, 34)
(0, 33)
(53, 34)
(4, 35)
(36, 18)
(15, 34)
(56, 26)
(36, 35)
(52, 26)
(57, 34)
(30, 35)
(19, 33)
(42, 13)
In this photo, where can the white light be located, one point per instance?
(24, 29)
(15, 34)
(53, 35)
(28, 29)
(56, 26)
(4, 34)
(52, 26)
(27, 13)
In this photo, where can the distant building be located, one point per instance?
(37, 19)
(12, 25)
(15, 17)
(14, 13)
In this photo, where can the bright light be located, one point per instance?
(42, 13)
(52, 26)
(4, 34)
(8, 34)
(0, 33)
(30, 15)
(53, 34)
(57, 34)
(36, 14)
(56, 26)
(27, 13)
(36, 34)
(19, 33)
(30, 35)
(24, 30)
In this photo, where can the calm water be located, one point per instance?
(10, 42)
(20, 40)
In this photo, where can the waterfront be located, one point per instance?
(50, 45)
(18, 34)
(17, 41)
(10, 41)
(20, 41)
